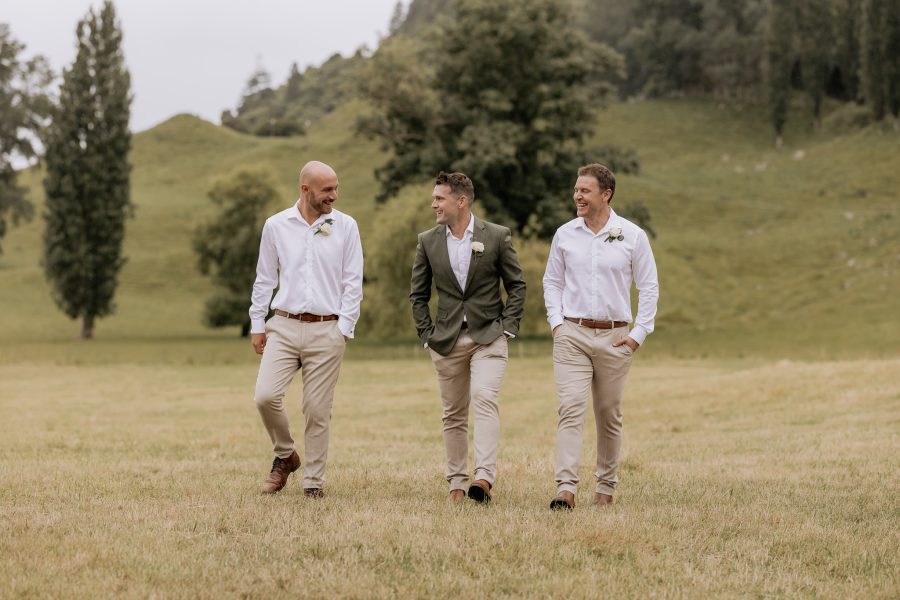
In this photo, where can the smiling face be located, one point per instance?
(591, 202)
(320, 191)
(446, 205)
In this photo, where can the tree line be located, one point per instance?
(760, 51)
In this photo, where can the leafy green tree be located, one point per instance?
(24, 107)
(508, 98)
(227, 247)
(815, 29)
(844, 80)
(880, 41)
(780, 62)
(667, 45)
(87, 182)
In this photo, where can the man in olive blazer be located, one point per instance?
(467, 259)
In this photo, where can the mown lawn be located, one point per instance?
(139, 478)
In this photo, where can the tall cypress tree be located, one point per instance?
(87, 183)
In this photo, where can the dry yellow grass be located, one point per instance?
(739, 480)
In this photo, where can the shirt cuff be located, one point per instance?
(638, 334)
(555, 320)
(257, 325)
(346, 327)
(508, 334)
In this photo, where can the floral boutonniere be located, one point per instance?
(477, 247)
(324, 227)
(615, 233)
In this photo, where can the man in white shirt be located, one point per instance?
(593, 261)
(313, 255)
(467, 259)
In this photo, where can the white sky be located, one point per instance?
(196, 55)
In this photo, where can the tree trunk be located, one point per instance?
(87, 327)
(245, 328)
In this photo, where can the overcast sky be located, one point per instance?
(196, 55)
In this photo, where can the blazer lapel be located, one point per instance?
(477, 236)
(442, 256)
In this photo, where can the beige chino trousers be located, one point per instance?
(585, 363)
(316, 349)
(471, 374)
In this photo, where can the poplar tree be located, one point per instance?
(87, 182)
(880, 73)
(780, 62)
(815, 22)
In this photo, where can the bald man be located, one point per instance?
(313, 255)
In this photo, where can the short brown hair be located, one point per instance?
(459, 184)
(602, 174)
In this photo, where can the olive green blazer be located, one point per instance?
(480, 302)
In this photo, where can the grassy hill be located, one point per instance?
(761, 252)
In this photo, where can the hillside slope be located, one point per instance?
(790, 252)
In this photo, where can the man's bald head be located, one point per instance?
(315, 170)
(318, 189)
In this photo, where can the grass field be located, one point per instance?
(738, 480)
(762, 417)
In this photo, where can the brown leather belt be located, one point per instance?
(306, 317)
(597, 324)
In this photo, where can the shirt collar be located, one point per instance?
(613, 221)
(295, 214)
(470, 228)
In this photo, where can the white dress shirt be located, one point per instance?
(315, 273)
(460, 251)
(588, 277)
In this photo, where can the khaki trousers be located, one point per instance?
(586, 363)
(316, 349)
(471, 373)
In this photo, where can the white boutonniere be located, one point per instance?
(324, 227)
(477, 247)
(615, 233)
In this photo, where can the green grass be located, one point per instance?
(139, 480)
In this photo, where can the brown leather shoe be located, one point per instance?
(480, 491)
(563, 501)
(457, 496)
(602, 499)
(278, 476)
(313, 493)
